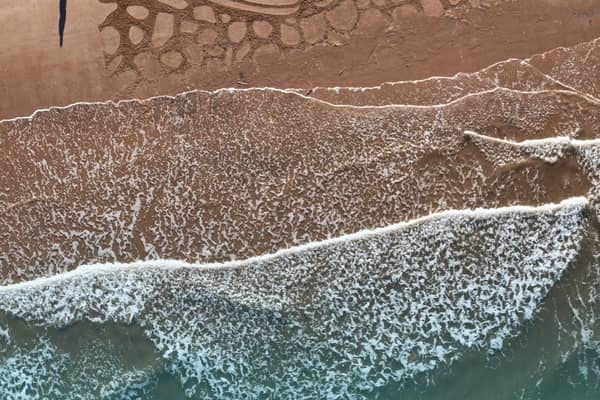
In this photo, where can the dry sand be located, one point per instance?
(142, 48)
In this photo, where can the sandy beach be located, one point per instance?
(137, 49)
(285, 199)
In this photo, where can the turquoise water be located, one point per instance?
(500, 305)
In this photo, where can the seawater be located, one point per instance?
(494, 304)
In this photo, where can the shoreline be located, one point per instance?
(565, 205)
(467, 38)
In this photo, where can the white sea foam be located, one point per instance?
(556, 141)
(43, 371)
(153, 184)
(364, 234)
(331, 319)
(32, 374)
(551, 150)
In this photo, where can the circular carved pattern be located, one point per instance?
(170, 36)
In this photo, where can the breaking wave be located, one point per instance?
(338, 319)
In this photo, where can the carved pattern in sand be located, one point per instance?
(153, 38)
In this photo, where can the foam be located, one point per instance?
(189, 179)
(573, 202)
(566, 141)
(340, 317)
(43, 371)
(32, 374)
(559, 74)
(553, 149)
(294, 92)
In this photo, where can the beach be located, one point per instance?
(277, 199)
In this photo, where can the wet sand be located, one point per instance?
(209, 176)
(571, 69)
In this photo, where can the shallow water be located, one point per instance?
(504, 299)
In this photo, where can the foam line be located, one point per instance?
(297, 91)
(433, 77)
(559, 140)
(236, 264)
(304, 97)
(458, 75)
(455, 77)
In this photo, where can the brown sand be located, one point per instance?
(113, 51)
(572, 69)
(511, 74)
(209, 176)
(213, 176)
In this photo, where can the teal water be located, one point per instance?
(493, 306)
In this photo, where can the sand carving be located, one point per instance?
(551, 70)
(158, 37)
